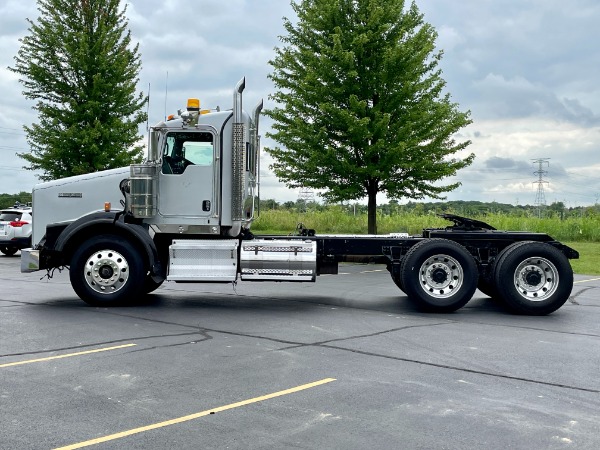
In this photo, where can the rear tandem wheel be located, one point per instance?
(440, 275)
(533, 278)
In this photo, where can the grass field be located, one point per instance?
(589, 257)
(583, 234)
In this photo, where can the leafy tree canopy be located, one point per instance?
(79, 65)
(360, 104)
(9, 200)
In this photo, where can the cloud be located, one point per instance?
(544, 51)
(497, 162)
(519, 97)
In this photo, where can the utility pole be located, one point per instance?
(540, 196)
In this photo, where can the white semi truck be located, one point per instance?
(186, 213)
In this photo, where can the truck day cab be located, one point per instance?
(186, 217)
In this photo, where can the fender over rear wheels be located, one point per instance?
(440, 275)
(533, 278)
(107, 270)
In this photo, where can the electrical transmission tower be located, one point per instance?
(540, 196)
(305, 197)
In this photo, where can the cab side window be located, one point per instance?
(184, 149)
(199, 153)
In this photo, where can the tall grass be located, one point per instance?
(583, 234)
(335, 220)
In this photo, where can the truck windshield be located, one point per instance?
(183, 149)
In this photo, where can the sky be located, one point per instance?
(527, 70)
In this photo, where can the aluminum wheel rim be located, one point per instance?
(106, 271)
(536, 279)
(441, 276)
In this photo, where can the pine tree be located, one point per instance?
(360, 104)
(79, 65)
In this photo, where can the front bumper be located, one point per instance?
(30, 260)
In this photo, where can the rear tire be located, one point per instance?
(440, 275)
(107, 270)
(533, 278)
(395, 273)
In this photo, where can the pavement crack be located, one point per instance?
(464, 369)
(578, 293)
(202, 332)
(210, 330)
(359, 336)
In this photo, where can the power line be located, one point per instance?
(6, 147)
(14, 169)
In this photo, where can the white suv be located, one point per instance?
(15, 229)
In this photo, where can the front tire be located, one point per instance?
(440, 275)
(107, 270)
(533, 278)
(150, 285)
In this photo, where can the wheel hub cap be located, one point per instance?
(106, 272)
(533, 277)
(439, 276)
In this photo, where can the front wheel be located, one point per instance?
(440, 275)
(107, 271)
(533, 278)
(150, 285)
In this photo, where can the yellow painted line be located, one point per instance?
(585, 281)
(166, 423)
(68, 355)
(371, 271)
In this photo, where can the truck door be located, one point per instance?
(188, 173)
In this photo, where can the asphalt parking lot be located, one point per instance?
(343, 363)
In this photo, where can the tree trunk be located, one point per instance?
(372, 206)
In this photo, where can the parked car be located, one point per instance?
(15, 229)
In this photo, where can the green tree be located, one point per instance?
(79, 65)
(8, 200)
(360, 107)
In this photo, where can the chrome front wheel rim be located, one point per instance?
(106, 271)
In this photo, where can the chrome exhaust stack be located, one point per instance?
(239, 155)
(237, 100)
